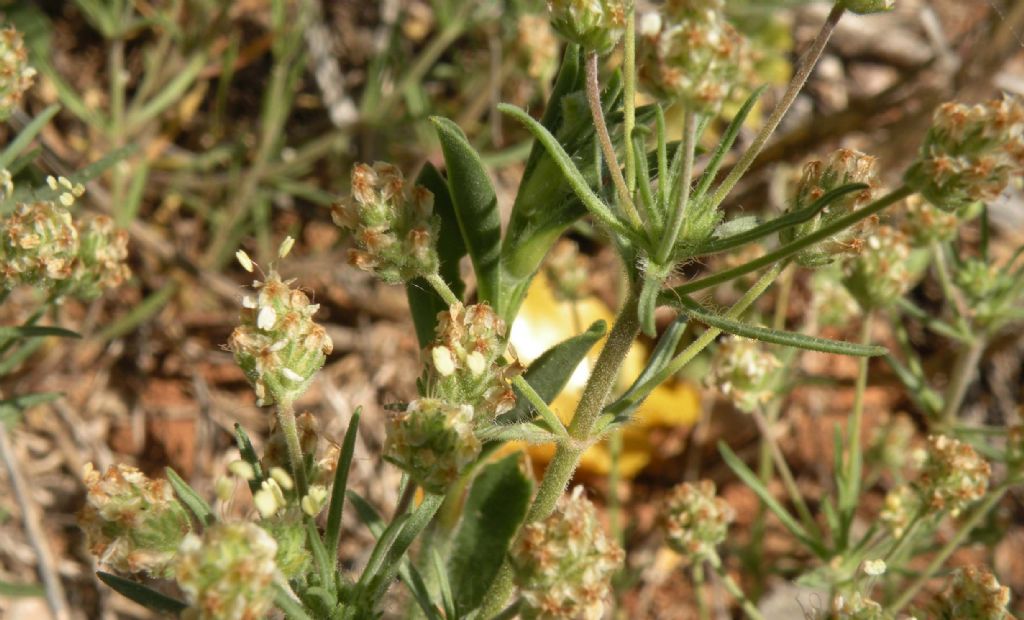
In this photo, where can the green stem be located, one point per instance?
(605, 140)
(855, 457)
(806, 65)
(286, 418)
(734, 588)
(951, 292)
(963, 373)
(668, 241)
(629, 105)
(965, 529)
(703, 613)
(542, 408)
(785, 472)
(442, 289)
(904, 538)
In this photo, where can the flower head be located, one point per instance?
(970, 153)
(744, 371)
(881, 273)
(101, 257)
(595, 25)
(925, 223)
(953, 475)
(564, 564)
(689, 52)
(395, 234)
(39, 245)
(278, 344)
(227, 573)
(696, 520)
(856, 607)
(16, 75)
(433, 441)
(132, 522)
(843, 167)
(973, 593)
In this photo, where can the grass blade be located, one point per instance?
(332, 535)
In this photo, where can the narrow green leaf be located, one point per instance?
(662, 354)
(725, 144)
(379, 554)
(21, 590)
(169, 94)
(321, 559)
(751, 480)
(774, 336)
(476, 207)
(189, 497)
(418, 521)
(494, 510)
(248, 453)
(424, 302)
(783, 221)
(549, 373)
(147, 597)
(367, 513)
(26, 135)
(25, 401)
(412, 578)
(332, 535)
(443, 584)
(36, 331)
(292, 608)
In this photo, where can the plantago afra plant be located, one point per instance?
(490, 545)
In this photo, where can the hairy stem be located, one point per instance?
(442, 288)
(734, 588)
(963, 373)
(605, 140)
(668, 241)
(854, 456)
(804, 68)
(286, 418)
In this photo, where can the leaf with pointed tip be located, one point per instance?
(248, 453)
(36, 331)
(625, 405)
(145, 596)
(189, 497)
(332, 535)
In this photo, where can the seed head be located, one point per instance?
(953, 475)
(432, 441)
(395, 234)
(16, 76)
(695, 520)
(595, 25)
(563, 565)
(991, 291)
(690, 53)
(227, 573)
(973, 593)
(970, 153)
(131, 522)
(39, 245)
(743, 370)
(844, 166)
(925, 223)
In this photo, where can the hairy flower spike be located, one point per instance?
(953, 475)
(744, 371)
(16, 75)
(974, 593)
(432, 441)
(695, 520)
(970, 153)
(881, 273)
(395, 234)
(101, 257)
(564, 564)
(925, 223)
(844, 166)
(278, 345)
(131, 522)
(991, 292)
(39, 245)
(856, 607)
(463, 363)
(595, 25)
(228, 573)
(689, 52)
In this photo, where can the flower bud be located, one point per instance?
(595, 25)
(970, 153)
(228, 573)
(463, 363)
(831, 303)
(953, 475)
(901, 504)
(881, 273)
(925, 223)
(973, 593)
(868, 6)
(695, 520)
(744, 371)
(432, 441)
(101, 258)
(16, 75)
(844, 166)
(689, 52)
(564, 564)
(131, 522)
(990, 292)
(395, 235)
(278, 345)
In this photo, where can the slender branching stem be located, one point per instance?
(949, 290)
(442, 288)
(629, 105)
(963, 373)
(803, 71)
(905, 537)
(703, 613)
(854, 456)
(542, 408)
(605, 140)
(405, 500)
(668, 241)
(734, 588)
(286, 419)
(768, 436)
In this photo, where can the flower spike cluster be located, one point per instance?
(595, 25)
(970, 153)
(973, 593)
(395, 234)
(953, 475)
(432, 441)
(278, 345)
(16, 76)
(744, 371)
(564, 564)
(696, 520)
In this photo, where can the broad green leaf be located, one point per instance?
(476, 207)
(332, 535)
(774, 336)
(549, 373)
(147, 597)
(189, 497)
(494, 510)
(424, 302)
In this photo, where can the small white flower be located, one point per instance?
(477, 363)
(279, 345)
(874, 568)
(249, 302)
(650, 24)
(443, 359)
(242, 469)
(67, 199)
(286, 247)
(314, 501)
(282, 478)
(291, 375)
(266, 318)
(244, 260)
(52, 182)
